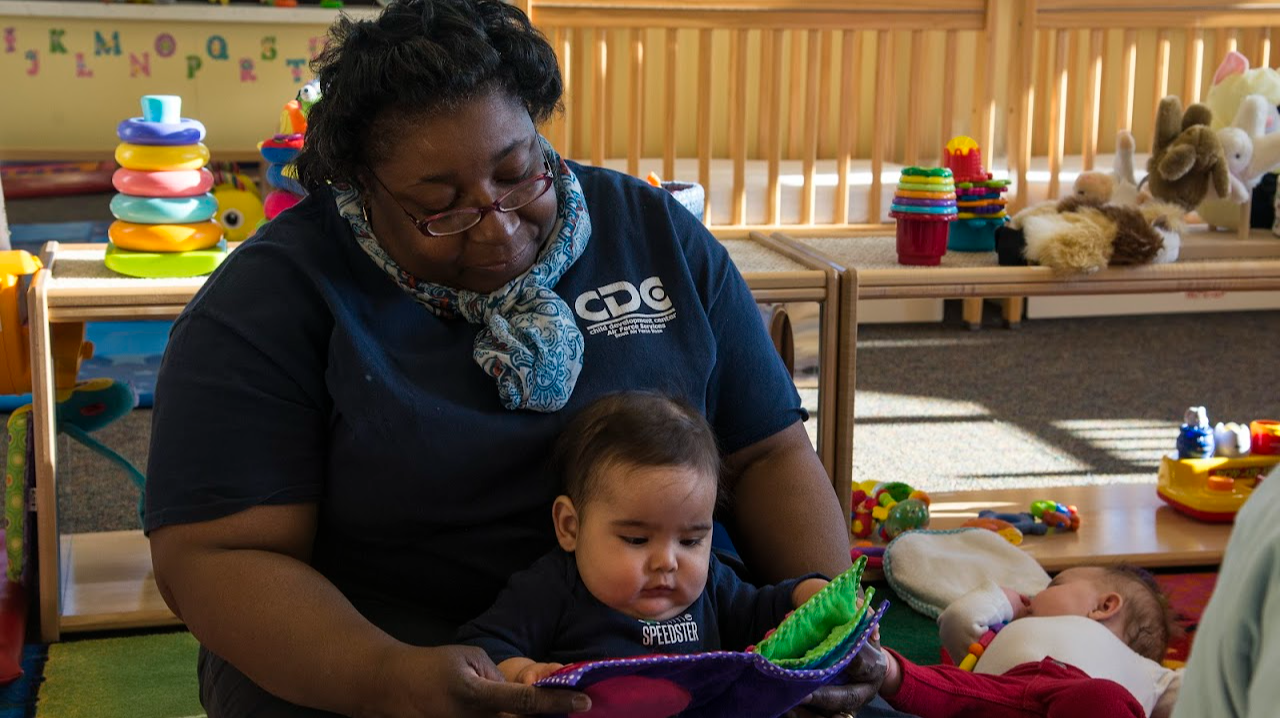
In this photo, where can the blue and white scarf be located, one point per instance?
(530, 344)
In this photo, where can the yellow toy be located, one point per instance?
(239, 206)
(69, 346)
(1212, 489)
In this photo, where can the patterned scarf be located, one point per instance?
(530, 344)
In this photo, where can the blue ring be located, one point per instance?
(164, 210)
(275, 176)
(279, 155)
(138, 131)
(914, 210)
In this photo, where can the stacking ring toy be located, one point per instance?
(278, 201)
(159, 157)
(170, 183)
(164, 238)
(143, 132)
(281, 181)
(165, 264)
(924, 188)
(926, 195)
(164, 210)
(924, 203)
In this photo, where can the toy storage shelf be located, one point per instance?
(1119, 523)
(871, 271)
(107, 583)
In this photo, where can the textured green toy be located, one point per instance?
(815, 634)
(927, 172)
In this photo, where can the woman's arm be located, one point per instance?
(245, 589)
(787, 518)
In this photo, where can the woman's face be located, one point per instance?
(453, 160)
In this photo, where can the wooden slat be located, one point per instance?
(705, 89)
(947, 119)
(1161, 71)
(795, 126)
(1194, 66)
(738, 123)
(884, 81)
(1023, 74)
(670, 143)
(614, 59)
(579, 100)
(1092, 99)
(987, 122)
(850, 54)
(1128, 71)
(600, 120)
(768, 93)
(1045, 85)
(635, 144)
(1264, 47)
(916, 61)
(810, 146)
(558, 127)
(824, 85)
(1058, 110)
(773, 198)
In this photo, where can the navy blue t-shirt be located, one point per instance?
(301, 373)
(547, 614)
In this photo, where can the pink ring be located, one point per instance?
(167, 183)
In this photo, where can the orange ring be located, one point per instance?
(164, 238)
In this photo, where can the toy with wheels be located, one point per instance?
(164, 205)
(1212, 489)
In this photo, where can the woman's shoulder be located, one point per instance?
(291, 256)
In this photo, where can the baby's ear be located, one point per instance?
(1109, 605)
(565, 517)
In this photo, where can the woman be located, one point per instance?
(397, 354)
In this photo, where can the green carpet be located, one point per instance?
(137, 675)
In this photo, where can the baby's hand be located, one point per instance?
(534, 673)
(1021, 603)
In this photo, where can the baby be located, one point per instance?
(634, 573)
(1088, 645)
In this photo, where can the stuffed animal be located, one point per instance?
(1232, 83)
(1083, 235)
(1251, 153)
(1117, 187)
(1186, 156)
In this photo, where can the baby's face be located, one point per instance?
(1074, 592)
(645, 539)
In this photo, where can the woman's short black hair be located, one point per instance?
(419, 57)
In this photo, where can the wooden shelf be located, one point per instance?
(1119, 523)
(181, 12)
(107, 583)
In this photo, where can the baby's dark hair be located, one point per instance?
(417, 58)
(644, 429)
(1148, 622)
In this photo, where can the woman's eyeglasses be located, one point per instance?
(455, 221)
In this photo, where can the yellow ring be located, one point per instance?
(926, 180)
(164, 238)
(926, 195)
(161, 158)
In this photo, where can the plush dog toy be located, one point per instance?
(1083, 235)
(1117, 187)
(1187, 160)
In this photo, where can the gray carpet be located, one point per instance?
(1055, 402)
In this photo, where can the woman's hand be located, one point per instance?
(860, 682)
(462, 681)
